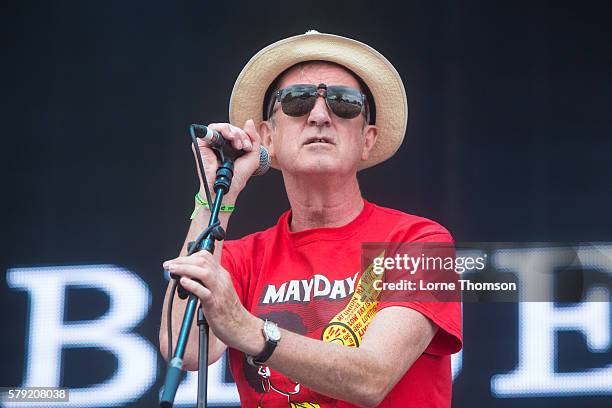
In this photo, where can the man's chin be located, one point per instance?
(324, 166)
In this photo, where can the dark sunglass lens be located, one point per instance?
(298, 101)
(345, 102)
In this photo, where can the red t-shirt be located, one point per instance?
(305, 281)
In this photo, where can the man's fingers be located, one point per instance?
(228, 133)
(194, 287)
(238, 137)
(193, 272)
(243, 137)
(223, 128)
(251, 131)
(246, 143)
(199, 258)
(232, 133)
(202, 254)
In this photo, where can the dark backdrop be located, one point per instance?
(508, 136)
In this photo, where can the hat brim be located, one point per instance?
(373, 68)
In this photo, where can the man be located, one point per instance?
(325, 106)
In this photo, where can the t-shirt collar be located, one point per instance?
(327, 233)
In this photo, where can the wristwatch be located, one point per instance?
(272, 334)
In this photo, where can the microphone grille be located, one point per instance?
(264, 161)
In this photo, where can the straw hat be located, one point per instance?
(373, 68)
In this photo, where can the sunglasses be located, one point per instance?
(298, 100)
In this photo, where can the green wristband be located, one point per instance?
(203, 203)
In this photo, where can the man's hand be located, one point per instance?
(226, 316)
(246, 139)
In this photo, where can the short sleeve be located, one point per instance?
(445, 314)
(228, 261)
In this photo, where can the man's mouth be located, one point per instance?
(318, 139)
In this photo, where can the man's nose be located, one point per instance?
(319, 115)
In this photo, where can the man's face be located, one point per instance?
(293, 140)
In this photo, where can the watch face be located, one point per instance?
(272, 331)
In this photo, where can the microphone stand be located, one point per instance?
(206, 241)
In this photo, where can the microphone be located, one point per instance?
(216, 141)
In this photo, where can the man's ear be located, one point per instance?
(370, 134)
(265, 131)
